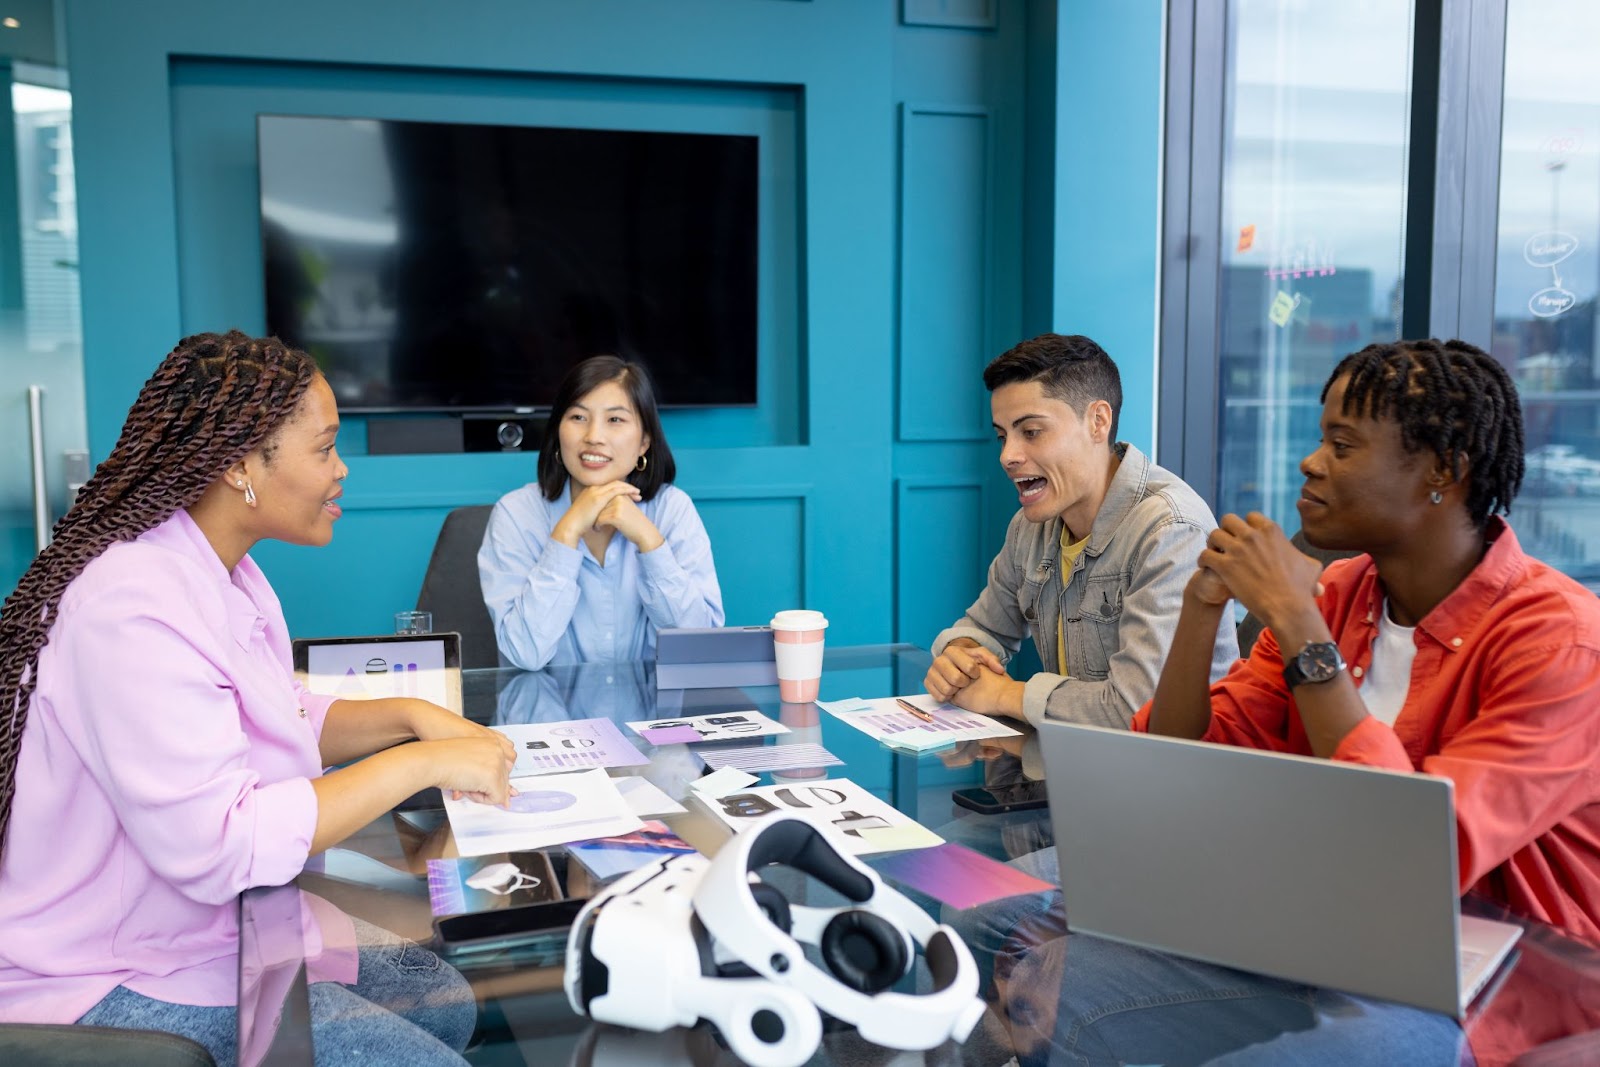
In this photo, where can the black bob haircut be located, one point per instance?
(581, 380)
(1071, 369)
(1450, 398)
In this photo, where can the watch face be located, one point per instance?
(1320, 661)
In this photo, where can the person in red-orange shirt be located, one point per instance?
(1443, 649)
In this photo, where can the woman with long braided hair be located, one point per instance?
(157, 756)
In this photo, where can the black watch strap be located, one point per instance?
(1317, 661)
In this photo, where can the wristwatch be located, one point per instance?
(1317, 661)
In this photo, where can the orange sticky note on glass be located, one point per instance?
(1247, 237)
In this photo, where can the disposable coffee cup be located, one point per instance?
(797, 640)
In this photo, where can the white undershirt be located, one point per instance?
(1389, 674)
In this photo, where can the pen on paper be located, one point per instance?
(913, 709)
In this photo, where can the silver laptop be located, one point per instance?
(1305, 869)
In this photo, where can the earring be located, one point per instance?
(1436, 497)
(642, 464)
(249, 494)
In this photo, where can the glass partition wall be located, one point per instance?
(1313, 224)
(1547, 271)
(1338, 174)
(43, 437)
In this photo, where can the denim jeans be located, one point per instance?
(407, 1006)
(1084, 1001)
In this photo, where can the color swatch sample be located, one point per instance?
(957, 876)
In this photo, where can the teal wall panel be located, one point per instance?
(215, 104)
(356, 592)
(760, 547)
(941, 542)
(1107, 190)
(878, 236)
(944, 268)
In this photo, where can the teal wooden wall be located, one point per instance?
(940, 179)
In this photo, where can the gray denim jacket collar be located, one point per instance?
(1126, 489)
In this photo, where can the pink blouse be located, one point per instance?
(166, 766)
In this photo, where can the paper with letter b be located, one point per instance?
(837, 802)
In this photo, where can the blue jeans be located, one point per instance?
(1081, 1000)
(407, 1006)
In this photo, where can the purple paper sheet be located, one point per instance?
(574, 745)
(672, 735)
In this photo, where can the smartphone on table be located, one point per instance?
(529, 929)
(993, 800)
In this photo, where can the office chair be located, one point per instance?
(45, 1045)
(450, 587)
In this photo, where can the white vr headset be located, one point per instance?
(687, 938)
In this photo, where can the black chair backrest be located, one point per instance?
(450, 588)
(48, 1045)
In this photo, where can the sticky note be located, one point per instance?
(1282, 307)
(672, 735)
(894, 838)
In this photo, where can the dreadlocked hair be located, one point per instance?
(213, 400)
(1450, 398)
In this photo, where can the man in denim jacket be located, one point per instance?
(1094, 563)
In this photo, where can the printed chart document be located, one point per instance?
(779, 757)
(723, 726)
(546, 811)
(571, 745)
(888, 720)
(867, 824)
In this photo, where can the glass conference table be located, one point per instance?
(1550, 997)
(380, 873)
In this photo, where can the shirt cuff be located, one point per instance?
(1141, 719)
(659, 562)
(1373, 742)
(1036, 695)
(560, 560)
(286, 821)
(316, 705)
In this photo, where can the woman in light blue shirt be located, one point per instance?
(602, 551)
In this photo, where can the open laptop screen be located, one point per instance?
(366, 668)
(1312, 870)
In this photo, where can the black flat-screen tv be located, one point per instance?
(436, 266)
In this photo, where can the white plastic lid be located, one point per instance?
(799, 619)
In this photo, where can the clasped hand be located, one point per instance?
(611, 506)
(1250, 560)
(969, 676)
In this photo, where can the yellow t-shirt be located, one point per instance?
(1069, 559)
